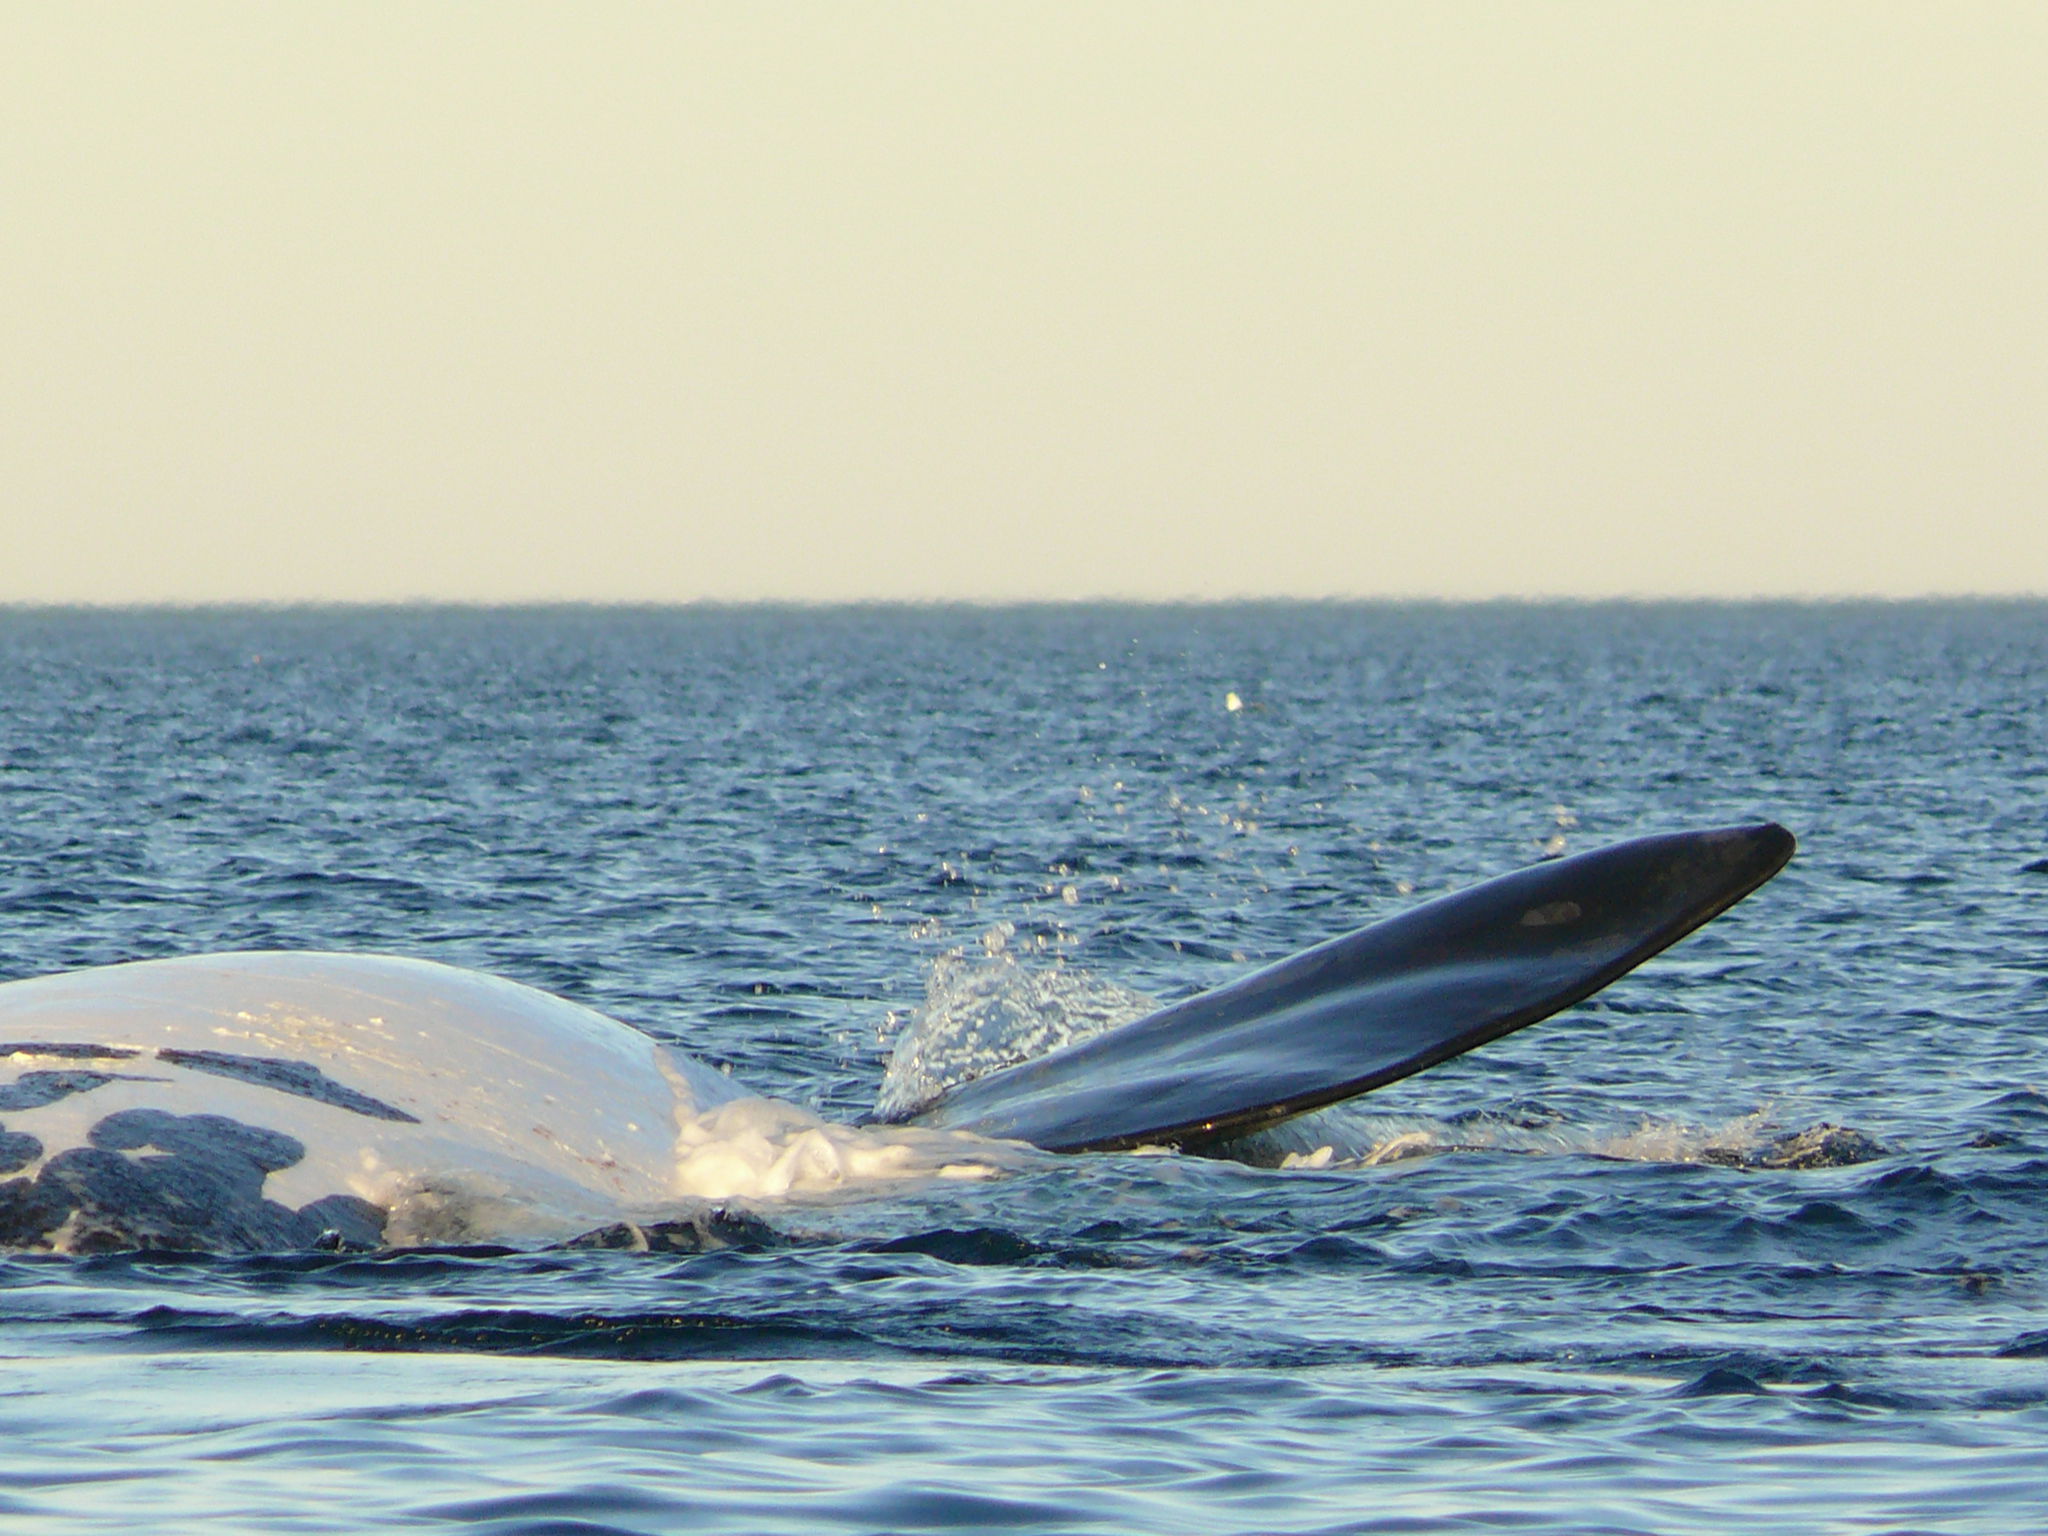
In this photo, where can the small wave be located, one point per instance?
(1347, 1136)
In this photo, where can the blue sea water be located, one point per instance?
(767, 833)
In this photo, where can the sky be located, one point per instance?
(662, 303)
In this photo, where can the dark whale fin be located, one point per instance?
(1361, 1011)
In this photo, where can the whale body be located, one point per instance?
(270, 1100)
(280, 1100)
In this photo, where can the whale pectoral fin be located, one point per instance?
(1377, 1005)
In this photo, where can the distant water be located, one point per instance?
(1520, 1291)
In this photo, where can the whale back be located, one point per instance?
(261, 1099)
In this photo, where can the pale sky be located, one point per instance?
(664, 302)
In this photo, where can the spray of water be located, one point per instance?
(985, 1009)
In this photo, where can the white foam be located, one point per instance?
(765, 1149)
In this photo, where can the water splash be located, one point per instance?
(984, 1010)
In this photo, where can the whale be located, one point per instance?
(285, 1100)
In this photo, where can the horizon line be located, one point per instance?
(1244, 600)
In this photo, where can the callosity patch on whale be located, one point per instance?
(199, 1186)
(34, 1089)
(260, 1100)
(295, 1077)
(1361, 1011)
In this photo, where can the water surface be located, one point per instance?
(764, 834)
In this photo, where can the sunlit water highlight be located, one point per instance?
(1557, 1284)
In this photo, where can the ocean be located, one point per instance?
(1562, 1284)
